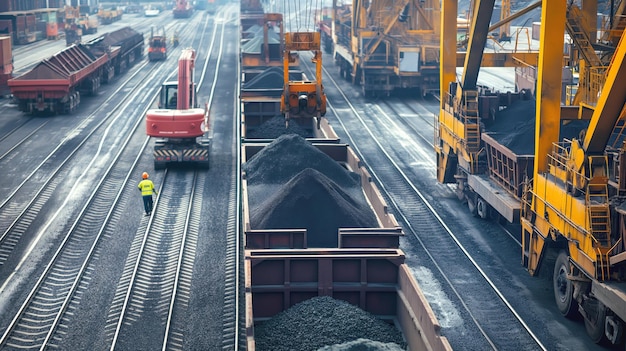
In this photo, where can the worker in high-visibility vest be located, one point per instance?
(147, 188)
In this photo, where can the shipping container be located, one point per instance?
(6, 55)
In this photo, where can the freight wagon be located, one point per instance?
(20, 25)
(261, 115)
(108, 16)
(262, 41)
(315, 225)
(316, 228)
(56, 84)
(557, 171)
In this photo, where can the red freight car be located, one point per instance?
(55, 84)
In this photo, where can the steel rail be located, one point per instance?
(136, 267)
(433, 212)
(65, 244)
(80, 217)
(144, 254)
(418, 132)
(231, 329)
(51, 176)
(22, 140)
(179, 264)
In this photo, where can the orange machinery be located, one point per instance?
(179, 124)
(183, 9)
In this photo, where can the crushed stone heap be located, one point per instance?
(323, 321)
(294, 185)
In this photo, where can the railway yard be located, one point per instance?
(82, 267)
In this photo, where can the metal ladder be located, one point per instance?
(599, 212)
(579, 31)
(471, 122)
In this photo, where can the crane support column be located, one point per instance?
(609, 106)
(550, 66)
(478, 38)
(447, 55)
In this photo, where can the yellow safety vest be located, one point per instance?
(146, 186)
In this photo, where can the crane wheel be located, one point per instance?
(563, 287)
(595, 320)
(482, 207)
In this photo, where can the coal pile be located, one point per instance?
(287, 156)
(255, 44)
(311, 200)
(271, 78)
(515, 127)
(322, 321)
(292, 184)
(363, 345)
(275, 127)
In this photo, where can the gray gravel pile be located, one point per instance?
(275, 127)
(287, 156)
(515, 127)
(311, 200)
(319, 322)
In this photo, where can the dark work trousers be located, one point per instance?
(147, 203)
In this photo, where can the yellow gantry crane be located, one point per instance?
(574, 210)
(384, 45)
(463, 157)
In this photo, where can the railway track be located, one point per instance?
(46, 317)
(28, 197)
(152, 297)
(19, 134)
(433, 244)
(21, 205)
(42, 313)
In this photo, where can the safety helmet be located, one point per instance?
(144, 175)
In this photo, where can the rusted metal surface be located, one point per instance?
(507, 168)
(376, 280)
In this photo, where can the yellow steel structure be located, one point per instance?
(570, 187)
(572, 203)
(574, 207)
(465, 107)
(384, 45)
(458, 132)
(581, 27)
(305, 98)
(264, 57)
